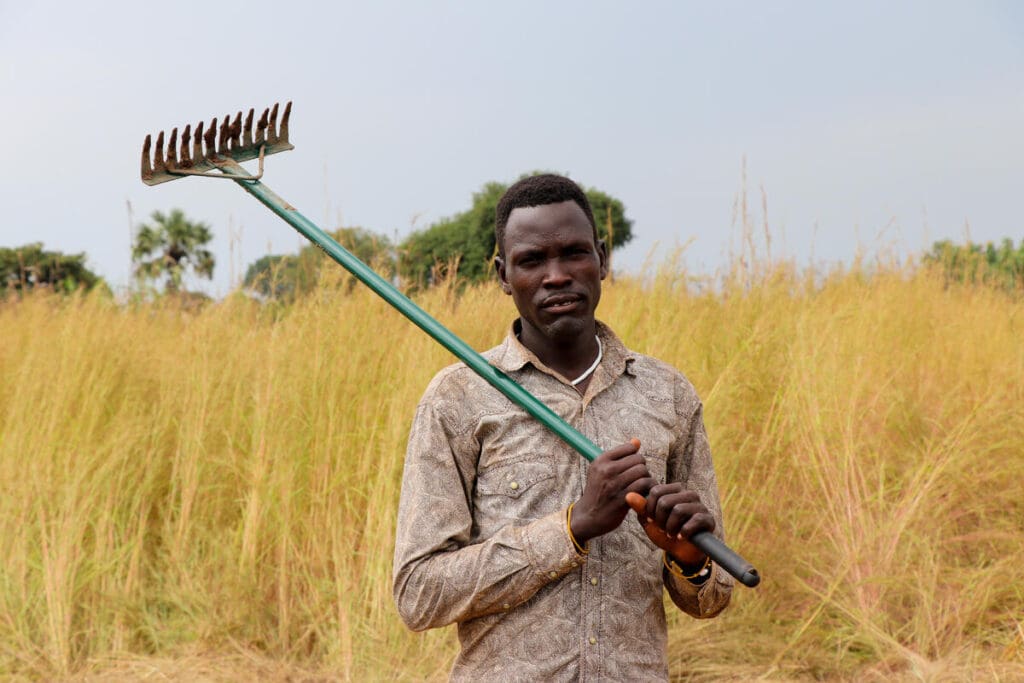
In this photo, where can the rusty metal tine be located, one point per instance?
(147, 169)
(247, 130)
(261, 128)
(272, 128)
(158, 154)
(211, 139)
(222, 142)
(172, 149)
(197, 144)
(283, 137)
(186, 137)
(236, 132)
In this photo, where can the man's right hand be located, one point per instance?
(612, 475)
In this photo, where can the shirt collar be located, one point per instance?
(511, 355)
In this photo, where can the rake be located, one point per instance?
(218, 153)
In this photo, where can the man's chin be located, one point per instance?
(568, 328)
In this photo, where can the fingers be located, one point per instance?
(640, 487)
(620, 452)
(678, 511)
(682, 502)
(625, 480)
(686, 514)
(614, 473)
(616, 462)
(703, 521)
(672, 493)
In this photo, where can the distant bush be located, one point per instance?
(286, 277)
(1001, 265)
(30, 267)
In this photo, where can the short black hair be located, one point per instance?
(538, 190)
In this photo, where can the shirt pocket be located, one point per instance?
(513, 479)
(513, 493)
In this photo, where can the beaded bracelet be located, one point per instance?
(704, 570)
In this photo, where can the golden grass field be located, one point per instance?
(212, 495)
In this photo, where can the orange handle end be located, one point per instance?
(637, 502)
(681, 549)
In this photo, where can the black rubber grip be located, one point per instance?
(726, 558)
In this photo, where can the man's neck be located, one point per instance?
(569, 357)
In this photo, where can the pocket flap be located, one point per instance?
(512, 479)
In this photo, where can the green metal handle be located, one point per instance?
(714, 548)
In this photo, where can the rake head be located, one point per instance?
(200, 151)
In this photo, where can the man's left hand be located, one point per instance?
(677, 514)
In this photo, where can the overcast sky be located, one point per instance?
(884, 125)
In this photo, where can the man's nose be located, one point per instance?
(556, 274)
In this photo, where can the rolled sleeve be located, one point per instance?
(704, 600)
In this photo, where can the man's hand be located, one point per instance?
(671, 515)
(602, 507)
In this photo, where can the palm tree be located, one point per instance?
(170, 245)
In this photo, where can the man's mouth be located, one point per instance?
(562, 303)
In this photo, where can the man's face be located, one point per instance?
(553, 269)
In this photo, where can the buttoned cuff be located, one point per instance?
(688, 589)
(549, 548)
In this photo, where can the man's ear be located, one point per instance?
(499, 265)
(602, 255)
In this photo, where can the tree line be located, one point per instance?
(1000, 265)
(169, 247)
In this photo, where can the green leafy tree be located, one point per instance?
(170, 246)
(1001, 265)
(288, 276)
(30, 267)
(468, 237)
(276, 276)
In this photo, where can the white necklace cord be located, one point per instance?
(590, 370)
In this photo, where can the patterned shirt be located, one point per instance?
(482, 539)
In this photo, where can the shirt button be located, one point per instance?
(593, 581)
(593, 640)
(514, 485)
(553, 575)
(505, 606)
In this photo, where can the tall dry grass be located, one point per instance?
(216, 492)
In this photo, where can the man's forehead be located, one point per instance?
(565, 220)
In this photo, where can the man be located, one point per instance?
(508, 532)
